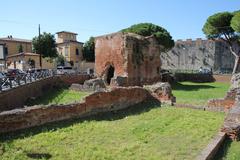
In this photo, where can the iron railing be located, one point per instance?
(24, 78)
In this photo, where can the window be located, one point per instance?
(77, 51)
(66, 51)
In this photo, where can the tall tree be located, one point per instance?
(223, 26)
(235, 22)
(148, 29)
(45, 44)
(89, 50)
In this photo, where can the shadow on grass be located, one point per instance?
(222, 152)
(109, 116)
(190, 87)
(48, 97)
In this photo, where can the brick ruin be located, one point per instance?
(193, 54)
(126, 59)
(99, 102)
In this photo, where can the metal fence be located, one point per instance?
(21, 79)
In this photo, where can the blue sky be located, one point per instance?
(182, 18)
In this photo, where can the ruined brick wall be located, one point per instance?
(135, 57)
(118, 98)
(16, 97)
(193, 54)
(109, 50)
(225, 103)
(70, 79)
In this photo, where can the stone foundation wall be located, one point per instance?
(16, 97)
(118, 98)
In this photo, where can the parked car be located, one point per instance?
(65, 70)
(205, 71)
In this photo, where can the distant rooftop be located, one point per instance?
(66, 32)
(10, 38)
(23, 54)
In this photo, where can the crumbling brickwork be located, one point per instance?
(134, 58)
(116, 98)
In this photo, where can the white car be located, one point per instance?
(65, 70)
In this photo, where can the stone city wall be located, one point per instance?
(193, 54)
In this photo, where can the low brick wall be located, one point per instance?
(118, 98)
(16, 97)
(70, 79)
(225, 103)
(226, 78)
(212, 148)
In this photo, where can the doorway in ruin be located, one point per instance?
(110, 74)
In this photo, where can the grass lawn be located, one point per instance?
(198, 93)
(60, 96)
(140, 132)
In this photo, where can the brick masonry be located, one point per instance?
(226, 103)
(116, 99)
(134, 57)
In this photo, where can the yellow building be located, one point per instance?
(25, 61)
(70, 48)
(12, 45)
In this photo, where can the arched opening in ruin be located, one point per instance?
(110, 74)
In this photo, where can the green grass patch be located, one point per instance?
(233, 152)
(58, 96)
(140, 132)
(198, 93)
(229, 151)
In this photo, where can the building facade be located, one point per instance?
(70, 48)
(25, 61)
(126, 59)
(12, 45)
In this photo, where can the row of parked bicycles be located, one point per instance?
(15, 77)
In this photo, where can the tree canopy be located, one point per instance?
(225, 26)
(89, 50)
(45, 44)
(218, 25)
(235, 22)
(148, 29)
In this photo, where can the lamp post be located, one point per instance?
(40, 57)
